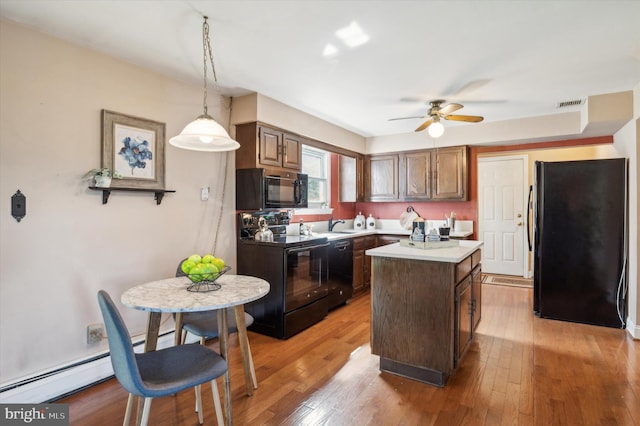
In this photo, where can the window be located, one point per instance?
(315, 163)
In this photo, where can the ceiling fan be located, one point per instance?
(436, 112)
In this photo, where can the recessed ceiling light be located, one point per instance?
(330, 50)
(353, 35)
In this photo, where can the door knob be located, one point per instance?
(519, 223)
(519, 214)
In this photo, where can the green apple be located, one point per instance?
(207, 258)
(195, 257)
(210, 271)
(187, 265)
(219, 263)
(196, 274)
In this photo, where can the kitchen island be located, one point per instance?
(425, 306)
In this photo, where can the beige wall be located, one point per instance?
(627, 142)
(69, 245)
(257, 107)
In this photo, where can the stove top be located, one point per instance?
(288, 241)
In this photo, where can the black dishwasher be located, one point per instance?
(340, 272)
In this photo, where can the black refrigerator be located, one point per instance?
(579, 213)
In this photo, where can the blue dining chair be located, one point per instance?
(205, 326)
(159, 373)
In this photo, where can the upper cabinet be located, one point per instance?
(264, 146)
(450, 179)
(434, 174)
(351, 178)
(381, 177)
(416, 175)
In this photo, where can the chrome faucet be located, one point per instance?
(332, 224)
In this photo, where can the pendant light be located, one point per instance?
(204, 133)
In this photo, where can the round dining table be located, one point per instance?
(171, 295)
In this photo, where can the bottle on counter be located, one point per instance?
(371, 223)
(359, 222)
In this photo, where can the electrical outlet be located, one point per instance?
(204, 193)
(94, 333)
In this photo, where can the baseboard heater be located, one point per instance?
(60, 382)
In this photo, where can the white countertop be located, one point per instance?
(463, 229)
(448, 254)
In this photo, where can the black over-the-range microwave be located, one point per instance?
(262, 189)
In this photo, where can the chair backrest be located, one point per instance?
(123, 358)
(179, 272)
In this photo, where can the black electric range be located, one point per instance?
(296, 267)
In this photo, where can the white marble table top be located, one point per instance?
(171, 295)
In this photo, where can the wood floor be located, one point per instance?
(520, 370)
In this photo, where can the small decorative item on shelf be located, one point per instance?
(206, 282)
(102, 177)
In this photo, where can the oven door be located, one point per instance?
(306, 280)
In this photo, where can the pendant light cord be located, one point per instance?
(207, 54)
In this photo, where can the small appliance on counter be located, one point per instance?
(359, 222)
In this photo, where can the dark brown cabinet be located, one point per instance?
(464, 318)
(384, 239)
(381, 178)
(423, 315)
(362, 262)
(265, 146)
(450, 175)
(468, 302)
(426, 175)
(476, 282)
(435, 174)
(416, 182)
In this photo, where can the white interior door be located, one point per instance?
(501, 214)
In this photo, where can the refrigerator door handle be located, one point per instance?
(528, 216)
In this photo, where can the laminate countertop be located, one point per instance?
(446, 254)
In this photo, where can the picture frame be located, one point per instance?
(134, 147)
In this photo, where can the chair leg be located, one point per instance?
(127, 413)
(199, 404)
(216, 401)
(145, 412)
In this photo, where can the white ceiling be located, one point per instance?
(501, 59)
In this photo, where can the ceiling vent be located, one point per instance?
(566, 104)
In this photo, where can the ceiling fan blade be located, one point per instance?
(424, 125)
(467, 118)
(448, 109)
(406, 118)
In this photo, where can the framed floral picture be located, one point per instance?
(134, 148)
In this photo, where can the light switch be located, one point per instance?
(204, 193)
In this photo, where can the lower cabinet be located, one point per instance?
(423, 315)
(362, 262)
(476, 283)
(468, 302)
(464, 317)
(384, 239)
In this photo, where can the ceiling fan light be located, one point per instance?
(204, 134)
(436, 129)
